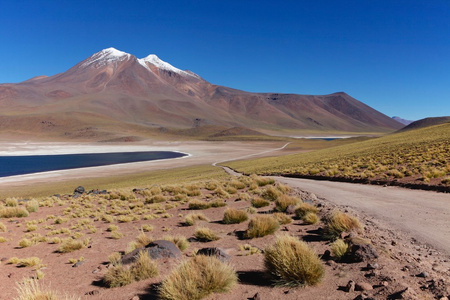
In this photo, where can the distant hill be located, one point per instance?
(426, 123)
(414, 158)
(403, 121)
(113, 94)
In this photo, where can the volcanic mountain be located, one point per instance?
(113, 94)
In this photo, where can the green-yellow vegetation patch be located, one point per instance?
(171, 176)
(419, 155)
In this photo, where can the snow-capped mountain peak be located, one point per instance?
(160, 64)
(105, 57)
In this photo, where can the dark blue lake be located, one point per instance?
(18, 165)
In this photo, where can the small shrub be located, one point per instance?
(118, 276)
(340, 222)
(310, 218)
(180, 241)
(70, 245)
(249, 249)
(115, 258)
(282, 202)
(2, 227)
(116, 235)
(205, 234)
(147, 228)
(259, 202)
(261, 225)
(303, 208)
(197, 278)
(144, 267)
(11, 202)
(198, 204)
(234, 216)
(292, 262)
(218, 203)
(32, 205)
(271, 193)
(30, 289)
(13, 212)
(263, 181)
(193, 217)
(339, 248)
(23, 243)
(282, 218)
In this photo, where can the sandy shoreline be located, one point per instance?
(198, 153)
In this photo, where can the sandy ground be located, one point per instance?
(422, 215)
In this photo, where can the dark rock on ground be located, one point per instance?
(361, 252)
(214, 251)
(156, 249)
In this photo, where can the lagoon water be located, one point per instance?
(19, 165)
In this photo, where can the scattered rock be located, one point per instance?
(256, 297)
(77, 264)
(361, 252)
(350, 287)
(92, 293)
(290, 209)
(98, 192)
(422, 274)
(372, 266)
(79, 190)
(363, 286)
(156, 249)
(326, 255)
(214, 251)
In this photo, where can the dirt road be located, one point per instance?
(422, 215)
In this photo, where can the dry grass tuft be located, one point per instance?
(180, 241)
(339, 248)
(261, 225)
(282, 218)
(340, 222)
(234, 216)
(303, 208)
(13, 212)
(310, 218)
(144, 267)
(292, 262)
(193, 217)
(205, 234)
(197, 278)
(118, 276)
(259, 202)
(282, 202)
(32, 205)
(198, 204)
(30, 289)
(70, 245)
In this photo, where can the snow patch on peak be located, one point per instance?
(106, 56)
(160, 64)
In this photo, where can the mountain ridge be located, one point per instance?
(113, 91)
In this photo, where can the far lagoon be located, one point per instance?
(27, 164)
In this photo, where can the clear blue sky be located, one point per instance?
(393, 55)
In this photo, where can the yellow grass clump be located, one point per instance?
(234, 216)
(205, 234)
(282, 202)
(303, 208)
(292, 262)
(70, 245)
(261, 225)
(180, 241)
(339, 248)
(259, 202)
(30, 289)
(194, 217)
(340, 222)
(197, 278)
(13, 212)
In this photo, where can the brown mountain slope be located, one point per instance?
(427, 122)
(113, 93)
